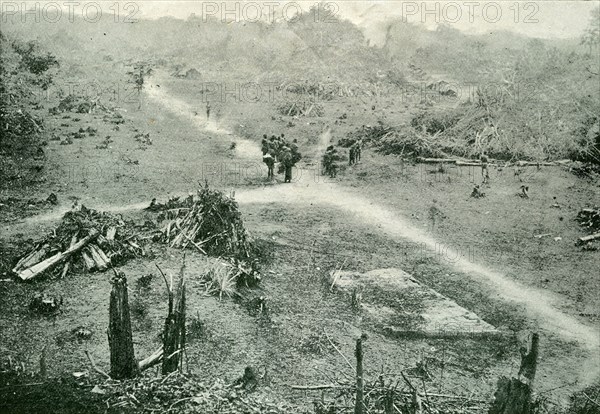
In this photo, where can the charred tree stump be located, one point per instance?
(513, 396)
(122, 357)
(358, 406)
(174, 334)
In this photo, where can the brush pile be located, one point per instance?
(210, 222)
(85, 239)
(406, 142)
(301, 107)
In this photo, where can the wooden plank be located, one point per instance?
(57, 258)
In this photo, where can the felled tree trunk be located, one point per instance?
(174, 334)
(122, 357)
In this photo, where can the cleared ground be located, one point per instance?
(377, 214)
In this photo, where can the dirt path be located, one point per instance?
(245, 148)
(311, 190)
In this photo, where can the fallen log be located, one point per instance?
(315, 387)
(152, 360)
(68, 264)
(475, 163)
(436, 160)
(468, 164)
(35, 270)
(31, 259)
(589, 238)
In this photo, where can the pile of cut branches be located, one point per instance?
(85, 239)
(210, 222)
(301, 108)
(366, 133)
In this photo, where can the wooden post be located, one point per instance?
(122, 357)
(358, 406)
(513, 396)
(174, 334)
(43, 364)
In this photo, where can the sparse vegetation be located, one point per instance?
(221, 280)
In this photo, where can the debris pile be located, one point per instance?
(407, 142)
(301, 108)
(85, 239)
(210, 222)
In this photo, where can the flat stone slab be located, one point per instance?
(403, 307)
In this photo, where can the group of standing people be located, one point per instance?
(330, 161)
(278, 149)
(355, 152)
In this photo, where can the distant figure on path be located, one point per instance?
(358, 151)
(484, 168)
(207, 110)
(352, 155)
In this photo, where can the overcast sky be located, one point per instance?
(539, 19)
(547, 19)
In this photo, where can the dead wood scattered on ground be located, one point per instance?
(181, 393)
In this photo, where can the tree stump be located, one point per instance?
(513, 396)
(122, 357)
(174, 334)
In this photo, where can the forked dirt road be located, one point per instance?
(309, 189)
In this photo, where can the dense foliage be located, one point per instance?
(24, 71)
